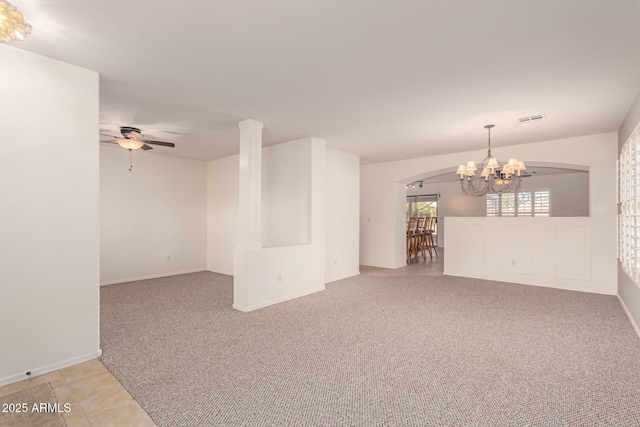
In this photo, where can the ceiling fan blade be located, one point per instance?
(164, 144)
(146, 147)
(110, 136)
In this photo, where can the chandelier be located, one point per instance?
(12, 24)
(492, 178)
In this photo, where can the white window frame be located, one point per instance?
(528, 214)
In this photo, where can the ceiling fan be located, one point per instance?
(133, 139)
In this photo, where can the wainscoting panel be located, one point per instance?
(519, 249)
(555, 252)
(573, 252)
(472, 251)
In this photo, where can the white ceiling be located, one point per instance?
(385, 80)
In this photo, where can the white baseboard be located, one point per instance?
(226, 273)
(278, 300)
(35, 372)
(631, 319)
(152, 276)
(389, 266)
(344, 276)
(527, 283)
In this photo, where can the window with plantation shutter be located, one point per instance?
(525, 205)
(507, 204)
(493, 205)
(542, 203)
(522, 203)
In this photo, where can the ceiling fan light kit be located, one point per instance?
(492, 178)
(129, 144)
(133, 139)
(12, 23)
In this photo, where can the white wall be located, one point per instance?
(342, 206)
(377, 219)
(222, 213)
(286, 194)
(628, 291)
(342, 252)
(153, 220)
(569, 192)
(266, 276)
(382, 242)
(569, 197)
(49, 224)
(552, 252)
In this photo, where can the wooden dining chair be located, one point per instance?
(413, 237)
(431, 229)
(422, 240)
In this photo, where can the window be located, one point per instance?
(542, 203)
(629, 216)
(422, 206)
(522, 203)
(507, 204)
(493, 205)
(525, 205)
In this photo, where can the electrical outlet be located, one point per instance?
(279, 277)
(335, 261)
(168, 258)
(513, 263)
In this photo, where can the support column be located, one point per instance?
(250, 192)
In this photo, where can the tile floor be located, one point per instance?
(96, 397)
(429, 267)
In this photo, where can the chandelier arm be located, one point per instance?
(474, 186)
(511, 187)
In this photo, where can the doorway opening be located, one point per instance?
(424, 205)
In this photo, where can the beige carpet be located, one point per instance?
(37, 416)
(373, 351)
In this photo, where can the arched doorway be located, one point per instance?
(565, 186)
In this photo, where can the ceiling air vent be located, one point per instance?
(533, 118)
